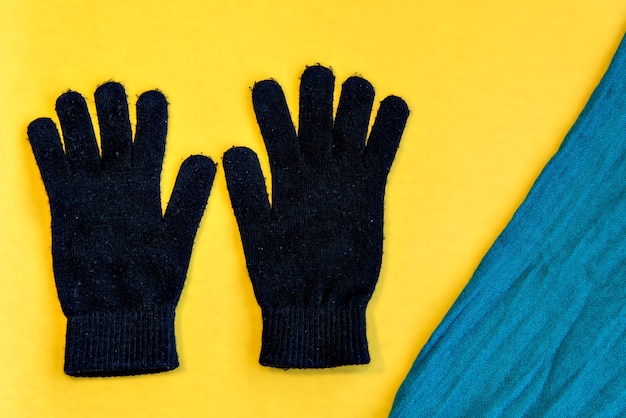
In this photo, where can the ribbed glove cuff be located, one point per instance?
(314, 337)
(120, 343)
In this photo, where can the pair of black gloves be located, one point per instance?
(313, 254)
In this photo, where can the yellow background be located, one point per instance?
(493, 86)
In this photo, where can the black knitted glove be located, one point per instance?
(314, 256)
(119, 264)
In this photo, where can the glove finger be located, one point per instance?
(80, 141)
(353, 116)
(386, 133)
(246, 187)
(46, 144)
(188, 200)
(149, 147)
(276, 125)
(115, 132)
(316, 114)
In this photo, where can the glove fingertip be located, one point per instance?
(110, 89)
(396, 106)
(358, 85)
(45, 141)
(152, 110)
(262, 90)
(241, 166)
(189, 197)
(246, 184)
(152, 99)
(275, 123)
(237, 155)
(200, 165)
(46, 145)
(40, 127)
(198, 171)
(317, 71)
(387, 132)
(68, 100)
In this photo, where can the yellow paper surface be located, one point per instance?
(493, 87)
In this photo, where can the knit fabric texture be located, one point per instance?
(540, 329)
(119, 263)
(314, 255)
